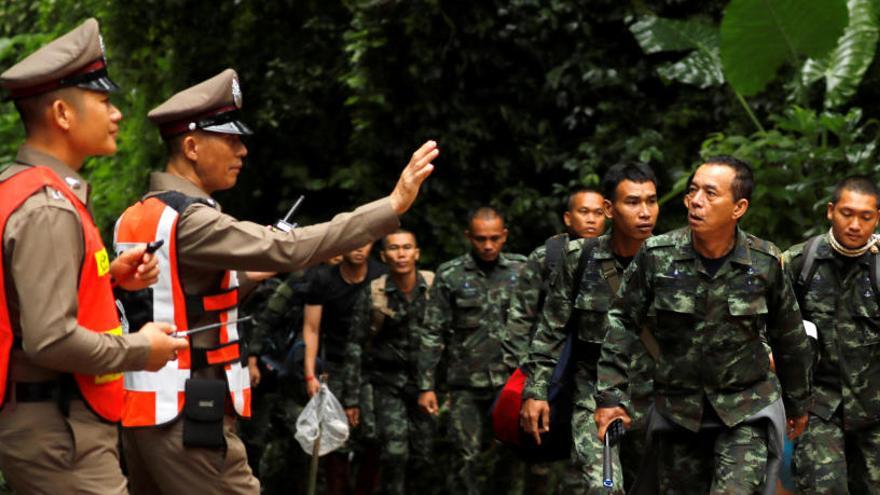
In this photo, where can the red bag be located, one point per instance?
(505, 413)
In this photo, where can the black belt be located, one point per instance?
(34, 391)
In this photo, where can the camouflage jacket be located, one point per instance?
(712, 331)
(386, 357)
(522, 315)
(840, 301)
(591, 305)
(466, 317)
(281, 317)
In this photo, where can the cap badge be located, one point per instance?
(236, 93)
(103, 52)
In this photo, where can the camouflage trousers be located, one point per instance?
(406, 438)
(475, 449)
(829, 460)
(283, 459)
(730, 462)
(589, 450)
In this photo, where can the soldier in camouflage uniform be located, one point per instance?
(584, 217)
(839, 452)
(277, 401)
(631, 204)
(713, 297)
(466, 314)
(382, 349)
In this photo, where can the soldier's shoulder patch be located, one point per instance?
(516, 258)
(764, 246)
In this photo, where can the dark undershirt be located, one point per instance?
(713, 265)
(484, 266)
(624, 260)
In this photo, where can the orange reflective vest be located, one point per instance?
(96, 306)
(156, 398)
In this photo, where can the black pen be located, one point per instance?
(212, 326)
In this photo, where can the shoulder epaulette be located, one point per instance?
(793, 252)
(764, 246)
(663, 240)
(450, 265)
(515, 257)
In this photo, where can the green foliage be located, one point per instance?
(796, 165)
(759, 36)
(701, 67)
(843, 68)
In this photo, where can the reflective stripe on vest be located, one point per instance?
(96, 307)
(155, 398)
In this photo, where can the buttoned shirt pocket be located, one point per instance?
(672, 312)
(748, 305)
(673, 300)
(748, 314)
(591, 305)
(468, 308)
(865, 310)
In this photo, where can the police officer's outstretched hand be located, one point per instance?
(417, 170)
(135, 269)
(604, 416)
(163, 347)
(534, 417)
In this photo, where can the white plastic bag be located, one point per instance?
(322, 416)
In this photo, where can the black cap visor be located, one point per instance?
(98, 80)
(226, 123)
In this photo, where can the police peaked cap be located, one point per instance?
(212, 106)
(74, 59)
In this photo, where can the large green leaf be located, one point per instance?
(701, 67)
(759, 36)
(844, 67)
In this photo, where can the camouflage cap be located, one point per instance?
(212, 105)
(74, 59)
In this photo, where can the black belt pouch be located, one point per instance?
(203, 413)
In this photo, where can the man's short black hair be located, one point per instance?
(861, 184)
(32, 109)
(484, 213)
(579, 190)
(399, 231)
(743, 181)
(632, 171)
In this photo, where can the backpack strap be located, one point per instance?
(379, 299)
(809, 267)
(554, 257)
(875, 273)
(586, 254)
(609, 273)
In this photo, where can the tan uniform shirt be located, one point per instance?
(43, 249)
(210, 242)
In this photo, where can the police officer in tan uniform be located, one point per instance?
(60, 367)
(202, 130)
